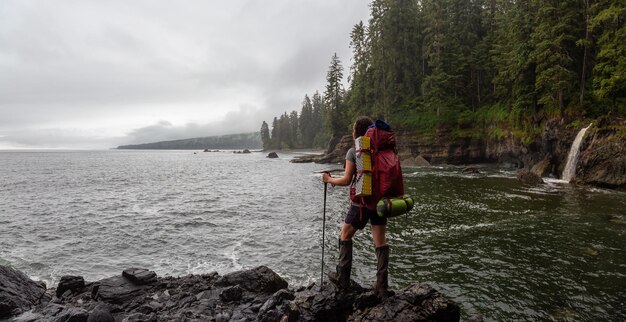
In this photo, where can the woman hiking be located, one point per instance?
(356, 218)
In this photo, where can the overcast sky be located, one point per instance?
(97, 74)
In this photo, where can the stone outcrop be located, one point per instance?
(18, 293)
(272, 155)
(602, 159)
(335, 154)
(258, 294)
(528, 177)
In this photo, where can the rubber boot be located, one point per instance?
(341, 277)
(381, 288)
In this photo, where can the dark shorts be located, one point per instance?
(358, 217)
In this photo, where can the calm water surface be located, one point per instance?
(499, 248)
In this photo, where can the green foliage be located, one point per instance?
(490, 69)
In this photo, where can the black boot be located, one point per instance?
(381, 288)
(341, 278)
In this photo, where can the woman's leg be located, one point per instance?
(382, 257)
(378, 234)
(347, 232)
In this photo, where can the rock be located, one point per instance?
(259, 279)
(257, 294)
(100, 314)
(231, 294)
(473, 170)
(336, 153)
(206, 150)
(117, 289)
(246, 151)
(18, 293)
(140, 276)
(603, 162)
(272, 155)
(417, 161)
(71, 283)
(542, 168)
(527, 177)
(276, 306)
(415, 303)
(307, 158)
(72, 314)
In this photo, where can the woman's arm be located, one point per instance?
(343, 181)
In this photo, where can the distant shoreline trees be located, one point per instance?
(479, 68)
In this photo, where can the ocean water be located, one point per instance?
(499, 248)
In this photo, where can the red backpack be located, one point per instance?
(386, 171)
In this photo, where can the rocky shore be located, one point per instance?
(258, 294)
(602, 160)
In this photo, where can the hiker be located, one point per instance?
(356, 218)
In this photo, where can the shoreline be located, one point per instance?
(257, 294)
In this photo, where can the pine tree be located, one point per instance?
(334, 114)
(609, 79)
(554, 40)
(307, 124)
(265, 135)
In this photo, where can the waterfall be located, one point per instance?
(572, 158)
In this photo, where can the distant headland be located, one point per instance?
(232, 141)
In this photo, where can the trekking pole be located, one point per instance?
(323, 233)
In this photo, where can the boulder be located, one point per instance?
(272, 155)
(418, 161)
(246, 151)
(117, 289)
(259, 279)
(71, 283)
(542, 168)
(470, 170)
(18, 293)
(140, 276)
(527, 177)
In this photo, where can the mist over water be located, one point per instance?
(497, 247)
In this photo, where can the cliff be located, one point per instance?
(602, 160)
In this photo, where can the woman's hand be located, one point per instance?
(326, 177)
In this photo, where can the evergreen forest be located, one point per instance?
(469, 68)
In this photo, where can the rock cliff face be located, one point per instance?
(602, 160)
(257, 294)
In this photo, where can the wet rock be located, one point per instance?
(470, 170)
(72, 314)
(140, 276)
(70, 283)
(18, 293)
(246, 151)
(272, 155)
(257, 294)
(100, 314)
(542, 168)
(260, 279)
(117, 289)
(527, 177)
(417, 161)
(231, 294)
(415, 303)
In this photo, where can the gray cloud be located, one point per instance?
(113, 72)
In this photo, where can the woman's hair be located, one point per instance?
(361, 124)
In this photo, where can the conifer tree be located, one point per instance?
(265, 135)
(554, 40)
(334, 114)
(609, 79)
